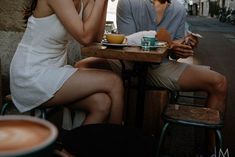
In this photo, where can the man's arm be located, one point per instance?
(125, 21)
(179, 48)
(181, 30)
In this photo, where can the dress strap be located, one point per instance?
(81, 10)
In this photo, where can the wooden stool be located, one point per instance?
(192, 116)
(8, 103)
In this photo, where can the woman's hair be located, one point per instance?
(28, 10)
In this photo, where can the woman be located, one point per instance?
(39, 75)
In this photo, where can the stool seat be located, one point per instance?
(43, 111)
(192, 115)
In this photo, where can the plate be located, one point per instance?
(113, 45)
(159, 44)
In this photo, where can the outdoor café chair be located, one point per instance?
(40, 112)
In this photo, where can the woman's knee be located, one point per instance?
(102, 103)
(116, 82)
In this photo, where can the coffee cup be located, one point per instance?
(145, 44)
(151, 39)
(26, 136)
(115, 38)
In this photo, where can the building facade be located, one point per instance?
(209, 7)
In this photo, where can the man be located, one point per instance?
(143, 15)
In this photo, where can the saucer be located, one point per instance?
(159, 44)
(113, 45)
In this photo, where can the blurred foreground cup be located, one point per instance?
(26, 136)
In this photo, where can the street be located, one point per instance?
(217, 50)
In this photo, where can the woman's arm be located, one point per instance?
(84, 31)
(88, 7)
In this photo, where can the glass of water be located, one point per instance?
(145, 44)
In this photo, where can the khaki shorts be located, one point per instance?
(164, 75)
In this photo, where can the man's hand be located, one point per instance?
(178, 47)
(191, 40)
(181, 50)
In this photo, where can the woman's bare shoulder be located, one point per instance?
(42, 9)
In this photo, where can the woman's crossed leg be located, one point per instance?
(98, 92)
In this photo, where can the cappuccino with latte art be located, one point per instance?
(21, 135)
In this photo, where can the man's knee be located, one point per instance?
(220, 83)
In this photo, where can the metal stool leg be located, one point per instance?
(4, 108)
(43, 113)
(219, 141)
(174, 95)
(162, 136)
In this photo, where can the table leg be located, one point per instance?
(126, 77)
(141, 70)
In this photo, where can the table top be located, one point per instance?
(131, 53)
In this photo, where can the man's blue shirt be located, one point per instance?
(140, 15)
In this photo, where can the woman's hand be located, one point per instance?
(84, 29)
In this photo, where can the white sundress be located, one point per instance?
(39, 67)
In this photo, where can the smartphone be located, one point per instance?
(195, 34)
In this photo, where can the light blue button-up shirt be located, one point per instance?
(140, 15)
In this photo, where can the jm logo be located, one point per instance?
(222, 153)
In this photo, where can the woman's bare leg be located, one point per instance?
(93, 62)
(87, 82)
(98, 112)
(198, 78)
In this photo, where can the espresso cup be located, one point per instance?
(26, 136)
(151, 39)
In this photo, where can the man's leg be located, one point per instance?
(197, 78)
(215, 84)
